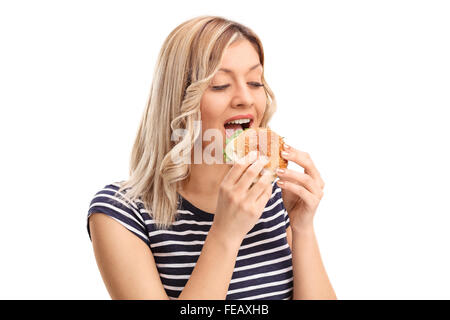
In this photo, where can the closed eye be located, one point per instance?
(254, 84)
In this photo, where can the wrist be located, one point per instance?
(303, 230)
(227, 241)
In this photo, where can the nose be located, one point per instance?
(243, 97)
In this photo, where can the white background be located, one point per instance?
(363, 86)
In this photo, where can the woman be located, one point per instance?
(202, 230)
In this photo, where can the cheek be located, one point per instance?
(212, 108)
(261, 105)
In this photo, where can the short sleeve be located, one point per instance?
(278, 195)
(107, 202)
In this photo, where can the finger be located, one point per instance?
(258, 188)
(304, 160)
(250, 174)
(239, 167)
(301, 191)
(299, 178)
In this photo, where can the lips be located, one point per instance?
(232, 128)
(241, 116)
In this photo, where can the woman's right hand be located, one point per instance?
(240, 204)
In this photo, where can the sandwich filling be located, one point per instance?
(234, 126)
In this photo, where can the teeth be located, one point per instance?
(240, 121)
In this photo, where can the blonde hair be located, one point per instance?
(188, 60)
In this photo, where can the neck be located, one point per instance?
(205, 179)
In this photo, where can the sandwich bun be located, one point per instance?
(264, 140)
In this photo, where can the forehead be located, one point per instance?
(240, 57)
(231, 71)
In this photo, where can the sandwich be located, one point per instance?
(264, 140)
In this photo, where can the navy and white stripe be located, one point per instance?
(263, 268)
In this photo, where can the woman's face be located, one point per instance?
(235, 90)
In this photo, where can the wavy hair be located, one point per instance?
(188, 60)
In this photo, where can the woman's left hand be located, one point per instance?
(301, 192)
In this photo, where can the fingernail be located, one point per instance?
(287, 147)
(280, 171)
(284, 153)
(280, 183)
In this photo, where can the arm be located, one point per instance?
(302, 193)
(129, 270)
(214, 268)
(128, 267)
(310, 278)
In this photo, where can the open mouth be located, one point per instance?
(232, 126)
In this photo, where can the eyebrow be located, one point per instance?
(231, 71)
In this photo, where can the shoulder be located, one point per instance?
(109, 195)
(109, 201)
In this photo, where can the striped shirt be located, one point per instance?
(263, 268)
